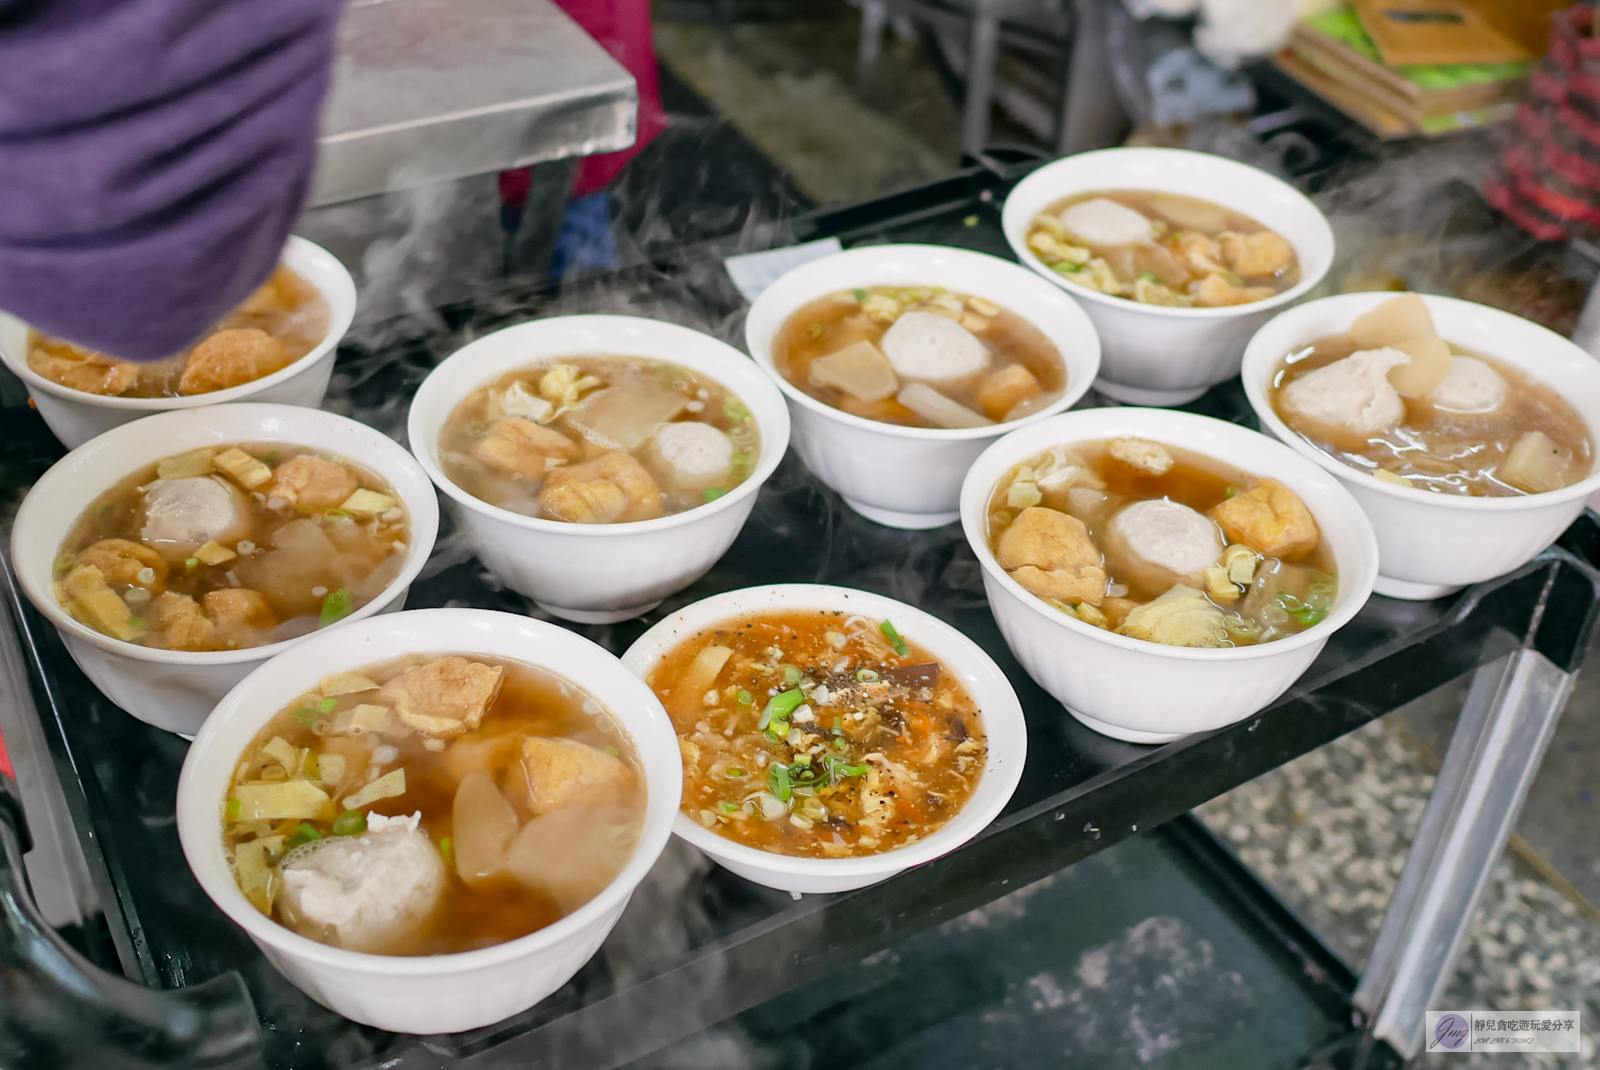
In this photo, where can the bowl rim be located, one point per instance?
(1258, 357)
(1359, 579)
(1070, 395)
(1016, 235)
(286, 941)
(340, 296)
(424, 518)
(774, 427)
(950, 644)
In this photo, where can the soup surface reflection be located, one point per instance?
(280, 323)
(819, 733)
(1162, 544)
(222, 548)
(919, 356)
(1390, 398)
(1163, 249)
(600, 440)
(433, 804)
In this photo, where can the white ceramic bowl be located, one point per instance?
(428, 993)
(1167, 356)
(76, 416)
(176, 689)
(910, 477)
(1431, 544)
(997, 704)
(597, 573)
(1145, 692)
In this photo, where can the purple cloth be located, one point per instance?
(153, 156)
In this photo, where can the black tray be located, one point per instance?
(698, 945)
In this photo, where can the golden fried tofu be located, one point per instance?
(274, 295)
(312, 483)
(81, 369)
(92, 601)
(442, 698)
(1270, 519)
(613, 489)
(1051, 554)
(1216, 292)
(177, 623)
(121, 561)
(1260, 254)
(230, 358)
(557, 773)
(1004, 390)
(522, 447)
(1199, 253)
(239, 607)
(1150, 457)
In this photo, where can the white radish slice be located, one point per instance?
(1404, 317)
(939, 410)
(1430, 363)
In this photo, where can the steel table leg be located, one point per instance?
(1505, 726)
(982, 51)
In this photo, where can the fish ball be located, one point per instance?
(690, 455)
(1167, 534)
(181, 515)
(1103, 221)
(1352, 395)
(1471, 386)
(932, 348)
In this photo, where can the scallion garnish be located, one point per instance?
(233, 809)
(899, 644)
(728, 807)
(303, 833)
(860, 294)
(337, 605)
(778, 781)
(791, 676)
(744, 699)
(327, 705)
(351, 823)
(733, 772)
(447, 850)
(306, 715)
(867, 676)
(780, 706)
(838, 726)
(711, 494)
(614, 752)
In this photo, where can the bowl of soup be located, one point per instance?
(598, 463)
(1467, 434)
(278, 346)
(1178, 257)
(1162, 573)
(830, 738)
(176, 553)
(429, 821)
(900, 363)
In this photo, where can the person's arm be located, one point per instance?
(153, 156)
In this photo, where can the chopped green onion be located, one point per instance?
(778, 781)
(839, 744)
(866, 676)
(447, 848)
(337, 605)
(895, 641)
(234, 806)
(780, 706)
(337, 514)
(791, 675)
(305, 715)
(733, 772)
(64, 562)
(271, 456)
(860, 294)
(1149, 276)
(1231, 491)
(104, 509)
(838, 726)
(136, 622)
(744, 699)
(614, 752)
(303, 833)
(327, 705)
(711, 494)
(191, 562)
(728, 807)
(735, 410)
(350, 823)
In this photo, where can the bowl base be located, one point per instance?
(597, 616)
(1413, 592)
(910, 521)
(1139, 395)
(1127, 735)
